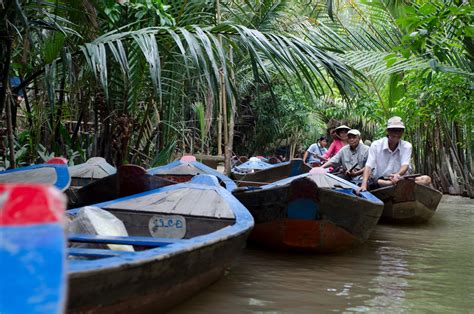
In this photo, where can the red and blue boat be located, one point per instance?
(32, 249)
(310, 212)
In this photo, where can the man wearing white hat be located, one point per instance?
(351, 157)
(389, 158)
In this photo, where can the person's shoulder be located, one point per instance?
(344, 148)
(405, 144)
(312, 146)
(377, 143)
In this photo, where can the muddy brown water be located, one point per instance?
(401, 269)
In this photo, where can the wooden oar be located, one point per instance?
(353, 167)
(408, 176)
(252, 182)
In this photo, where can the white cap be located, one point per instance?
(395, 123)
(354, 132)
(342, 127)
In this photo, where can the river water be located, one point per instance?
(401, 269)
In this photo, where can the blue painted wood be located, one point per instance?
(62, 174)
(142, 241)
(302, 208)
(243, 223)
(32, 268)
(90, 252)
(230, 185)
(295, 167)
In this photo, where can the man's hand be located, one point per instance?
(352, 173)
(362, 188)
(395, 177)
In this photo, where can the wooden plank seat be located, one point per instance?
(90, 252)
(141, 241)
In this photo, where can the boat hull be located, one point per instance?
(277, 172)
(408, 202)
(152, 286)
(184, 236)
(300, 216)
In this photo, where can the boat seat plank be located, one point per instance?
(91, 252)
(141, 241)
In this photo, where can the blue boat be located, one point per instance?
(55, 174)
(32, 249)
(184, 169)
(184, 236)
(252, 165)
(310, 212)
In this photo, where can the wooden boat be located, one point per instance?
(93, 170)
(184, 236)
(129, 180)
(310, 212)
(32, 249)
(408, 202)
(132, 179)
(187, 167)
(53, 172)
(252, 165)
(274, 173)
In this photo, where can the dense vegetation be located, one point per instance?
(147, 80)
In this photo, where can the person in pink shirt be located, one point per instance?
(339, 141)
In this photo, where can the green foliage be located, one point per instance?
(439, 31)
(280, 117)
(431, 97)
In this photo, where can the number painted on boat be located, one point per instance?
(167, 226)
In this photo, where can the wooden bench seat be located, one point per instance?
(91, 252)
(141, 241)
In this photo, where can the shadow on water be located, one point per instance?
(423, 268)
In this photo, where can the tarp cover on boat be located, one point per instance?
(185, 201)
(323, 180)
(253, 164)
(94, 168)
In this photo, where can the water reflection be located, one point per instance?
(428, 268)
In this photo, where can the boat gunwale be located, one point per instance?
(230, 185)
(364, 195)
(63, 179)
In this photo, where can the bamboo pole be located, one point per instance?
(5, 74)
(11, 146)
(221, 89)
(229, 147)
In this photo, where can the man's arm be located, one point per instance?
(395, 177)
(367, 172)
(335, 160)
(404, 162)
(305, 156)
(355, 173)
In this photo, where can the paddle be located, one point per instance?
(407, 176)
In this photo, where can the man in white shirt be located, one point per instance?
(389, 158)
